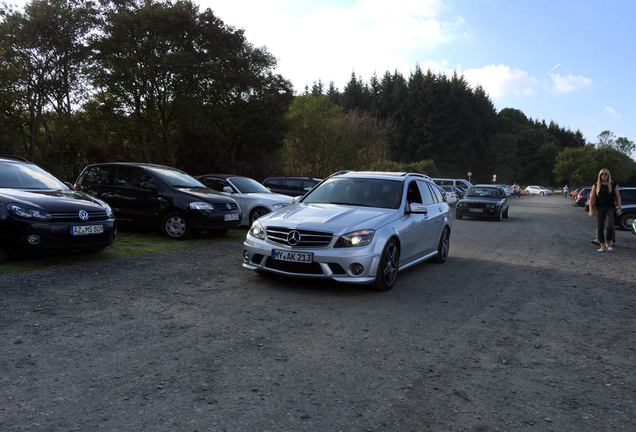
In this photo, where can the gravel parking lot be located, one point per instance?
(525, 328)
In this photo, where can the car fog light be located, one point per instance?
(33, 239)
(246, 256)
(357, 269)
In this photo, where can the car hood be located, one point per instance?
(271, 198)
(338, 219)
(207, 195)
(52, 200)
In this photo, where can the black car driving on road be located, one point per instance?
(484, 201)
(39, 213)
(157, 196)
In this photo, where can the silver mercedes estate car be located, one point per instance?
(354, 227)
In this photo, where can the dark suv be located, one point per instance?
(39, 213)
(292, 186)
(147, 195)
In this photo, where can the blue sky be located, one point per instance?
(571, 62)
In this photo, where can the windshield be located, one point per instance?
(26, 176)
(176, 178)
(247, 185)
(357, 192)
(483, 192)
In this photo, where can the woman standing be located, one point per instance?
(602, 198)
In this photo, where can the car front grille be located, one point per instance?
(233, 206)
(74, 216)
(307, 238)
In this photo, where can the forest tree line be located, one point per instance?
(163, 82)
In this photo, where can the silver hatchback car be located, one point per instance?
(354, 227)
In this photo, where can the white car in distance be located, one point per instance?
(254, 199)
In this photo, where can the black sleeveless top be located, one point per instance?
(605, 198)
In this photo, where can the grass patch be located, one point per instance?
(128, 243)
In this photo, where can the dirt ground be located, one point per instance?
(525, 328)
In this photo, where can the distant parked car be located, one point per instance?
(450, 194)
(39, 213)
(628, 196)
(538, 190)
(254, 199)
(582, 196)
(484, 201)
(507, 188)
(452, 182)
(292, 186)
(147, 195)
(458, 191)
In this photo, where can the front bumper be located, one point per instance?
(338, 264)
(490, 212)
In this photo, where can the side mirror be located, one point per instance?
(296, 199)
(149, 185)
(227, 189)
(418, 208)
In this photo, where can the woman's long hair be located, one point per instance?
(598, 180)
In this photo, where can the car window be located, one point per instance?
(478, 192)
(247, 185)
(213, 183)
(23, 176)
(308, 184)
(360, 192)
(293, 185)
(437, 194)
(131, 177)
(413, 194)
(273, 183)
(176, 178)
(425, 193)
(100, 175)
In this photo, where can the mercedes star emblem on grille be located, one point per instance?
(293, 238)
(83, 215)
(229, 207)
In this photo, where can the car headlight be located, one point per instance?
(109, 211)
(257, 231)
(201, 206)
(355, 239)
(26, 212)
(279, 206)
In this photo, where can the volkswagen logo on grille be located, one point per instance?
(229, 206)
(293, 238)
(83, 214)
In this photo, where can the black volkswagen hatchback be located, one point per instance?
(39, 213)
(157, 196)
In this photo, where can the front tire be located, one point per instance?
(507, 213)
(256, 213)
(499, 217)
(175, 227)
(3, 255)
(626, 221)
(443, 247)
(388, 268)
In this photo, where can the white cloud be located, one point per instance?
(500, 81)
(612, 112)
(331, 42)
(569, 83)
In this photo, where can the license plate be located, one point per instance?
(87, 230)
(302, 257)
(476, 210)
(230, 217)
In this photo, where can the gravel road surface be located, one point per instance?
(525, 328)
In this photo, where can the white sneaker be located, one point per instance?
(595, 241)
